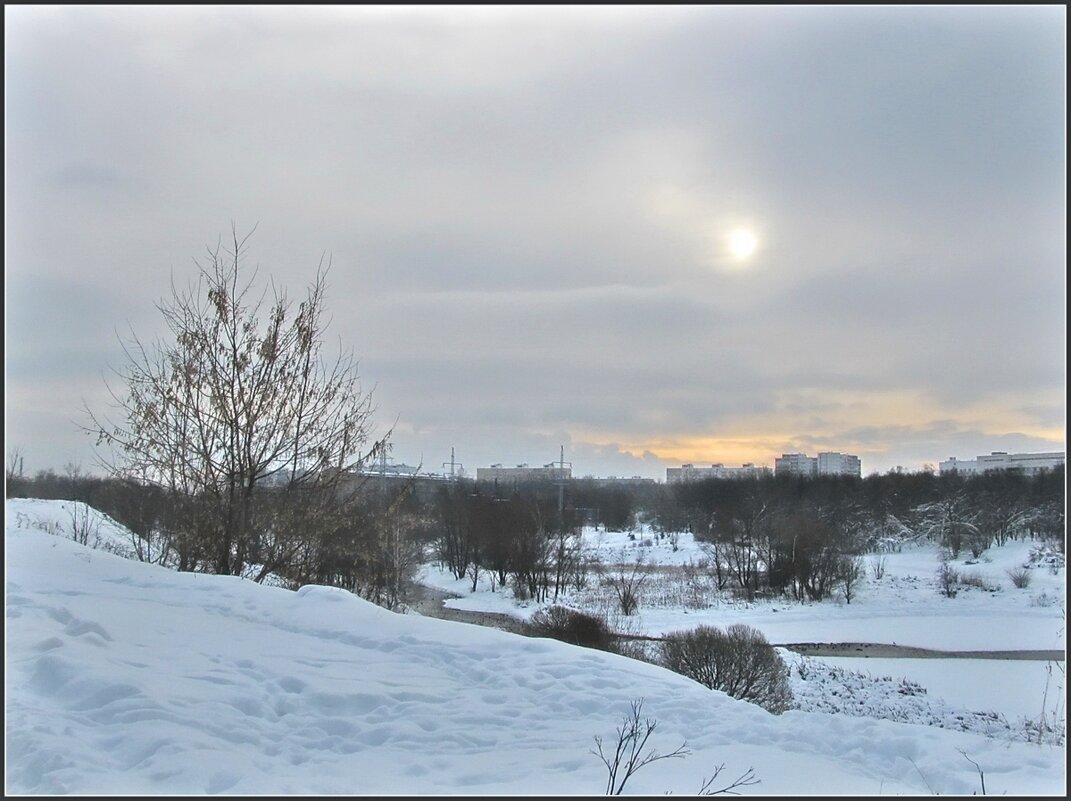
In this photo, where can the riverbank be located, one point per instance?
(429, 601)
(894, 651)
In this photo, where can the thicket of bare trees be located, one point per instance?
(802, 538)
(798, 538)
(519, 537)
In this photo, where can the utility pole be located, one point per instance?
(383, 473)
(561, 482)
(452, 464)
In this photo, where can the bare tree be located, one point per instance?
(567, 554)
(397, 558)
(627, 582)
(717, 562)
(531, 551)
(852, 572)
(454, 544)
(237, 414)
(952, 520)
(14, 464)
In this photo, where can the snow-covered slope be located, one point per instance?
(124, 677)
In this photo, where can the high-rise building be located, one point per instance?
(828, 463)
(796, 464)
(839, 464)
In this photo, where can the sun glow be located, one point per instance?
(742, 244)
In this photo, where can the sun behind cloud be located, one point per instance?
(742, 244)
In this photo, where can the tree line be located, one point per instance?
(802, 537)
(781, 535)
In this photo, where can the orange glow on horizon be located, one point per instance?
(866, 424)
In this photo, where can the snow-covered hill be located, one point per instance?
(124, 677)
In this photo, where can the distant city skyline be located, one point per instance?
(691, 471)
(650, 235)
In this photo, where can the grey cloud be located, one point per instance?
(90, 175)
(884, 447)
(488, 186)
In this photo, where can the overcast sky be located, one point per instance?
(649, 235)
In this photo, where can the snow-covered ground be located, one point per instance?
(903, 607)
(125, 677)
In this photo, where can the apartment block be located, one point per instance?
(690, 472)
(522, 473)
(829, 463)
(1026, 463)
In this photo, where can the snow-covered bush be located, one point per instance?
(1045, 555)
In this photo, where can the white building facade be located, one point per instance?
(828, 463)
(524, 473)
(839, 464)
(795, 464)
(1026, 463)
(688, 472)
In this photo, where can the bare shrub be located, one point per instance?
(572, 626)
(1051, 725)
(519, 587)
(639, 649)
(1045, 555)
(978, 581)
(85, 526)
(1044, 600)
(738, 661)
(877, 567)
(851, 573)
(746, 779)
(688, 586)
(947, 580)
(626, 583)
(627, 756)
